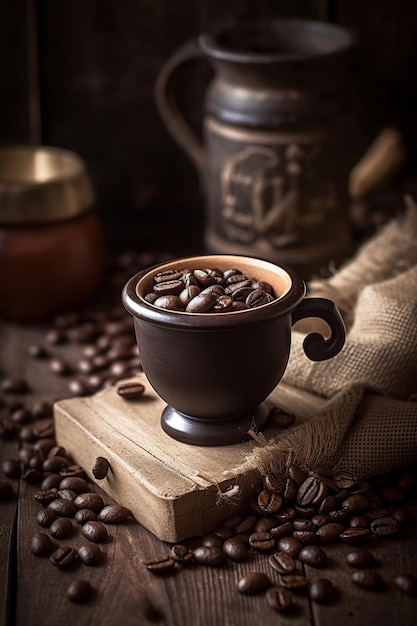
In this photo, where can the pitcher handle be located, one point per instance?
(167, 102)
(316, 347)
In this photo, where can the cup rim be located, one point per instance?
(138, 307)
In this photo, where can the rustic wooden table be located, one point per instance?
(33, 591)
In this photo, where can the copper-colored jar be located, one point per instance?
(52, 251)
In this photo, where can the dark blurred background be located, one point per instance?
(80, 74)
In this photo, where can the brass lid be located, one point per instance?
(42, 184)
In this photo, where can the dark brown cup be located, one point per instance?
(215, 370)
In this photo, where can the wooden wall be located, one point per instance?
(80, 74)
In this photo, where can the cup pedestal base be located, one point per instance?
(214, 433)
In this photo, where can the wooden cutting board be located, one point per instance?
(175, 490)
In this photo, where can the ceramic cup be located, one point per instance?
(215, 370)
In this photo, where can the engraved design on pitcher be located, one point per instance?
(261, 200)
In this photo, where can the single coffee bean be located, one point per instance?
(313, 555)
(282, 563)
(306, 537)
(345, 481)
(42, 544)
(100, 468)
(85, 515)
(161, 566)
(269, 502)
(235, 550)
(202, 303)
(57, 451)
(295, 582)
(322, 590)
(63, 508)
(360, 558)
(253, 583)
(279, 598)
(130, 391)
(45, 496)
(212, 540)
(355, 504)
(209, 555)
(181, 554)
(14, 385)
(94, 531)
(64, 557)
(359, 521)
(52, 481)
(262, 542)
(327, 505)
(54, 464)
(320, 520)
(113, 514)
(290, 546)
(45, 518)
(75, 483)
(274, 483)
(330, 533)
(79, 590)
(90, 554)
(11, 468)
(61, 528)
(385, 526)
(66, 494)
(284, 530)
(162, 277)
(367, 579)
(264, 524)
(304, 524)
(286, 515)
(354, 536)
(407, 583)
(89, 500)
(246, 525)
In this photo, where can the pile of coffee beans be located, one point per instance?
(208, 290)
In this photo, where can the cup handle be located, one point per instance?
(316, 347)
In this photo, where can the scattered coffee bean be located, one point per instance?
(63, 508)
(235, 549)
(113, 514)
(130, 391)
(90, 554)
(385, 526)
(162, 566)
(290, 546)
(11, 468)
(295, 582)
(367, 579)
(262, 542)
(45, 496)
(181, 554)
(45, 518)
(407, 583)
(252, 583)
(90, 500)
(64, 557)
(61, 528)
(100, 468)
(313, 555)
(79, 590)
(322, 590)
(282, 563)
(42, 545)
(85, 515)
(209, 555)
(75, 483)
(279, 598)
(94, 531)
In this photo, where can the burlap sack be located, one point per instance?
(369, 425)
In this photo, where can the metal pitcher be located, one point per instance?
(278, 138)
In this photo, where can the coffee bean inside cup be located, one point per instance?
(208, 290)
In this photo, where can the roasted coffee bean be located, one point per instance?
(262, 542)
(42, 544)
(207, 277)
(72, 470)
(306, 537)
(233, 521)
(282, 562)
(32, 476)
(54, 464)
(367, 579)
(52, 481)
(43, 445)
(359, 521)
(345, 481)
(181, 554)
(14, 385)
(66, 494)
(322, 590)
(258, 297)
(295, 582)
(306, 511)
(209, 555)
(264, 524)
(202, 303)
(355, 504)
(290, 546)
(57, 451)
(79, 590)
(327, 505)
(235, 549)
(212, 540)
(113, 514)
(269, 502)
(407, 583)
(403, 516)
(130, 391)
(38, 352)
(223, 533)
(320, 520)
(162, 277)
(360, 558)
(253, 583)
(8, 429)
(11, 468)
(61, 528)
(279, 598)
(85, 515)
(284, 530)
(330, 533)
(78, 387)
(340, 516)
(59, 367)
(94, 531)
(22, 416)
(45, 518)
(354, 535)
(64, 557)
(274, 484)
(313, 555)
(223, 304)
(384, 526)
(304, 524)
(89, 500)
(286, 515)
(101, 467)
(246, 526)
(90, 554)
(75, 483)
(45, 496)
(63, 508)
(311, 491)
(376, 513)
(281, 418)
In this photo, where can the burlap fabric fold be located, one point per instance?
(369, 424)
